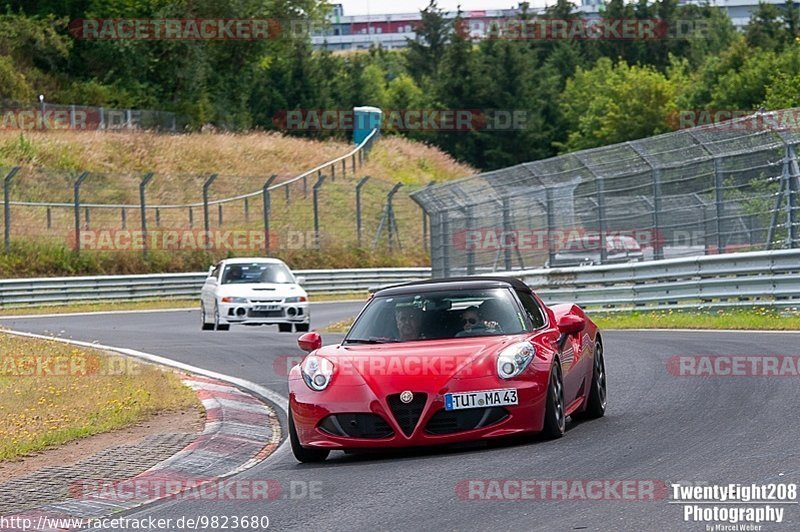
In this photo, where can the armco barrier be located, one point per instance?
(64, 290)
(769, 278)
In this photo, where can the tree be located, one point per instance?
(613, 103)
(766, 28)
(425, 53)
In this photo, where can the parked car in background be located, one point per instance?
(253, 291)
(586, 252)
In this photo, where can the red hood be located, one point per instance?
(424, 366)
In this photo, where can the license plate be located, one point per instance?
(266, 308)
(460, 401)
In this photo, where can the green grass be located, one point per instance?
(762, 319)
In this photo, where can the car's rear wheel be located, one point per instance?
(217, 325)
(284, 327)
(596, 403)
(302, 327)
(304, 454)
(554, 418)
(205, 326)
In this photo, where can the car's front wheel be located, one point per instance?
(303, 454)
(217, 325)
(554, 418)
(205, 326)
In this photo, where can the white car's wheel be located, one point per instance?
(217, 325)
(205, 326)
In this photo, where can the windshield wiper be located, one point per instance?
(370, 340)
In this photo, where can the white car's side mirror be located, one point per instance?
(300, 280)
(211, 271)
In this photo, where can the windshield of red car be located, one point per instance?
(438, 315)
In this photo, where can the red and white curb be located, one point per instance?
(240, 431)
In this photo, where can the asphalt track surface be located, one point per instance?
(716, 430)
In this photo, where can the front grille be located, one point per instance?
(450, 422)
(368, 426)
(407, 415)
(265, 313)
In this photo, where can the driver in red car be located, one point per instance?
(409, 322)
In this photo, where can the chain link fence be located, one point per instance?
(731, 186)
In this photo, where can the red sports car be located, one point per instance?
(446, 361)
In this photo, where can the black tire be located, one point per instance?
(284, 327)
(554, 418)
(303, 454)
(205, 326)
(598, 393)
(217, 325)
(302, 327)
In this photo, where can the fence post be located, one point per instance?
(76, 196)
(436, 259)
(305, 187)
(267, 205)
(6, 207)
(444, 238)
(49, 218)
(206, 220)
(315, 192)
(333, 172)
(551, 227)
(344, 167)
(507, 230)
(219, 214)
(390, 217)
(246, 210)
(158, 217)
(359, 186)
(601, 217)
(286, 190)
(425, 218)
(792, 190)
(191, 218)
(719, 201)
(354, 163)
(86, 217)
(124, 218)
(470, 214)
(143, 209)
(658, 242)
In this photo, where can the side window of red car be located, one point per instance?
(532, 308)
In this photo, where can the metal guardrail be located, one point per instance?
(65, 290)
(768, 278)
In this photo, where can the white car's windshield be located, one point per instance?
(256, 272)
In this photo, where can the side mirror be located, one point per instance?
(210, 271)
(310, 341)
(571, 324)
(300, 280)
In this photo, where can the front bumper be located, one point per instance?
(311, 411)
(247, 313)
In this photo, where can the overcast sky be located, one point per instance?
(362, 7)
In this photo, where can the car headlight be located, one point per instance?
(317, 372)
(513, 360)
(295, 299)
(229, 299)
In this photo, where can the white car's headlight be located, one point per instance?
(317, 372)
(295, 299)
(513, 360)
(230, 299)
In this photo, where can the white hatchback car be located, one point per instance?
(253, 291)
